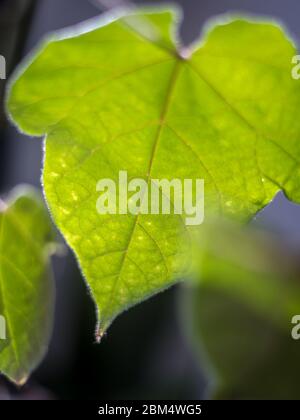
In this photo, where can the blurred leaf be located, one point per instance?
(246, 292)
(26, 288)
(122, 96)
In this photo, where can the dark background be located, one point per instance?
(145, 354)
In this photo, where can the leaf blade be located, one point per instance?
(154, 121)
(25, 281)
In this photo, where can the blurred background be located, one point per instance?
(145, 354)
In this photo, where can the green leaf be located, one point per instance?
(124, 96)
(26, 287)
(239, 312)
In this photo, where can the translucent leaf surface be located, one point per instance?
(123, 96)
(26, 288)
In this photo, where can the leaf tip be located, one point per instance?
(3, 206)
(19, 381)
(185, 53)
(100, 333)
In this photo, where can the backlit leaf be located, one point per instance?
(122, 95)
(26, 289)
(239, 311)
